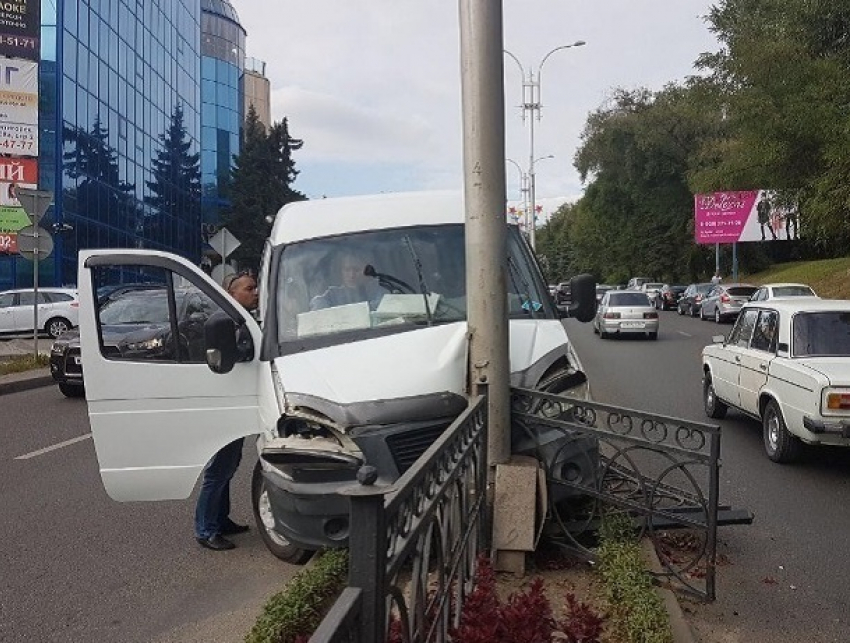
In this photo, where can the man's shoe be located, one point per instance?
(232, 528)
(217, 543)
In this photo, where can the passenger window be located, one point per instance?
(740, 335)
(764, 334)
(7, 300)
(160, 319)
(27, 298)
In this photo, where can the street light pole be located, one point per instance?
(531, 103)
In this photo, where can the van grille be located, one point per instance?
(406, 447)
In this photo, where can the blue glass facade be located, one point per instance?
(114, 77)
(222, 66)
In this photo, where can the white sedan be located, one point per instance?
(786, 363)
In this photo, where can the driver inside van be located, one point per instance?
(355, 285)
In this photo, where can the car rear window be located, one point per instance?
(822, 333)
(57, 297)
(793, 291)
(628, 299)
(741, 291)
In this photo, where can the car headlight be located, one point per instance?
(835, 401)
(147, 345)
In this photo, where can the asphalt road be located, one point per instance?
(76, 566)
(783, 578)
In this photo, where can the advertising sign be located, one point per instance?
(18, 107)
(15, 173)
(20, 25)
(750, 215)
(9, 243)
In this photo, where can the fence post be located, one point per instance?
(367, 549)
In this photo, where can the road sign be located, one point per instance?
(33, 238)
(224, 243)
(34, 202)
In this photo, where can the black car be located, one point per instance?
(135, 326)
(691, 300)
(668, 297)
(563, 294)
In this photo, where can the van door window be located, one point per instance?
(162, 319)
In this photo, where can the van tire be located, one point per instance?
(276, 543)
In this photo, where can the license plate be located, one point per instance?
(78, 360)
(632, 324)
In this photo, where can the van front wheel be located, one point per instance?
(276, 542)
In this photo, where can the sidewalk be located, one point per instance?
(16, 382)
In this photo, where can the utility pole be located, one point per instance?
(482, 95)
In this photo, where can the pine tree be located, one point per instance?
(261, 183)
(99, 193)
(176, 189)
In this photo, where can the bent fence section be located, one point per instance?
(662, 472)
(413, 545)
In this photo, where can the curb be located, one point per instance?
(25, 381)
(681, 629)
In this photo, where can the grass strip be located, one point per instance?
(298, 609)
(638, 612)
(22, 363)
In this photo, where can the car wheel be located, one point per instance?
(679, 310)
(653, 336)
(693, 312)
(276, 543)
(714, 407)
(69, 390)
(602, 334)
(56, 326)
(702, 313)
(779, 443)
(717, 319)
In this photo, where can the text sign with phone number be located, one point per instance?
(8, 243)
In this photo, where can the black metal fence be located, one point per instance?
(413, 545)
(662, 472)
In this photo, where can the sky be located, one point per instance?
(373, 86)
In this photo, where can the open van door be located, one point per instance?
(158, 411)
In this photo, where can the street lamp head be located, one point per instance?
(578, 43)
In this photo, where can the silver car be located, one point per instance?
(626, 312)
(724, 301)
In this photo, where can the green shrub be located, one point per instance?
(297, 610)
(640, 615)
(23, 363)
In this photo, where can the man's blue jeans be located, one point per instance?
(213, 509)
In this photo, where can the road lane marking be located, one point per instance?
(55, 447)
(681, 332)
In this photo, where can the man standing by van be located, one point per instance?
(212, 513)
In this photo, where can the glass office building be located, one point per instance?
(119, 130)
(222, 67)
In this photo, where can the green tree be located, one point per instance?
(261, 184)
(635, 217)
(175, 196)
(781, 79)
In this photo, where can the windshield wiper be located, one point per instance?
(423, 287)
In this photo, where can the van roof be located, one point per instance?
(342, 215)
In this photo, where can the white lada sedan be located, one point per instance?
(786, 363)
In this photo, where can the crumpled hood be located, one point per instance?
(410, 364)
